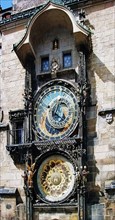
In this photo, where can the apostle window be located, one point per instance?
(45, 64)
(67, 60)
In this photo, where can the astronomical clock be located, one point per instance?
(49, 134)
(56, 111)
(56, 117)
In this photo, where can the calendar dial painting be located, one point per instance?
(55, 178)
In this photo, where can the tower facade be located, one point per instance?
(57, 119)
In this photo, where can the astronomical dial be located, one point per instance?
(56, 112)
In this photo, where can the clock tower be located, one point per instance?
(56, 133)
(56, 89)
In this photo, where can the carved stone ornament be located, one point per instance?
(109, 118)
(17, 115)
(108, 114)
(71, 146)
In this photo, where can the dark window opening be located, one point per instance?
(67, 60)
(45, 64)
(18, 133)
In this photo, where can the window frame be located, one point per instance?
(63, 55)
(43, 58)
(17, 132)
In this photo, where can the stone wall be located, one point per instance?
(101, 76)
(101, 134)
(7, 206)
(55, 214)
(12, 89)
(19, 6)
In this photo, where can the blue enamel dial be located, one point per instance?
(56, 113)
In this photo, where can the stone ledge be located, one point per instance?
(8, 191)
(106, 111)
(3, 126)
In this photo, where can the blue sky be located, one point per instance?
(5, 3)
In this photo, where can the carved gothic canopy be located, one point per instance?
(48, 18)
